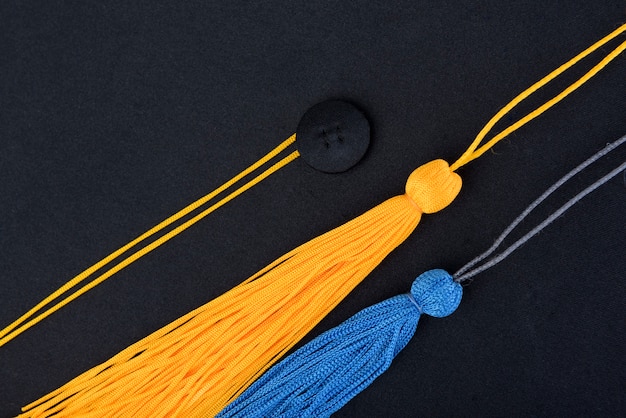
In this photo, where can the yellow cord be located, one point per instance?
(474, 152)
(14, 329)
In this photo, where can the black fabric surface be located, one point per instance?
(114, 116)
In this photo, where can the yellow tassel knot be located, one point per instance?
(433, 186)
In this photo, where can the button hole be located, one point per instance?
(339, 136)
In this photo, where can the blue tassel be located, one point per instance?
(326, 373)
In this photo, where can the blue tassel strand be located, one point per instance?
(326, 373)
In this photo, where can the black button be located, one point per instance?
(333, 136)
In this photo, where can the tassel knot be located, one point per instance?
(436, 293)
(433, 186)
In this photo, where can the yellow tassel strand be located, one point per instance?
(199, 363)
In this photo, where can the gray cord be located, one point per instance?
(466, 272)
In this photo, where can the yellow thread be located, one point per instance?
(472, 152)
(10, 332)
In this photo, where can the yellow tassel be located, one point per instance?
(199, 363)
(180, 371)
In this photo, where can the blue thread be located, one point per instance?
(412, 299)
(326, 373)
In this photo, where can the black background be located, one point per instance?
(114, 116)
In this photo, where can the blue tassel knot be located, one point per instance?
(326, 373)
(436, 293)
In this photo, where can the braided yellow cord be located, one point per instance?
(474, 152)
(29, 319)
